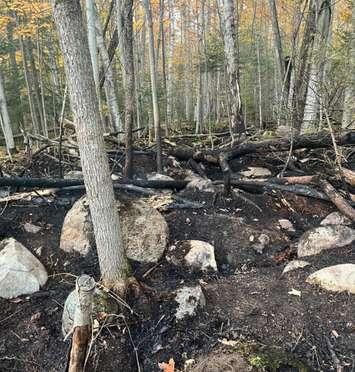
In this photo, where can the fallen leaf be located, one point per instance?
(167, 367)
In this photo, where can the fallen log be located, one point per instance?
(339, 201)
(262, 186)
(60, 183)
(349, 176)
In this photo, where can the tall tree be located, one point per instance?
(125, 31)
(153, 82)
(230, 49)
(5, 119)
(348, 120)
(323, 24)
(113, 264)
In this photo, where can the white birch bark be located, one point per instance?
(109, 84)
(348, 120)
(5, 119)
(230, 49)
(153, 82)
(170, 77)
(311, 109)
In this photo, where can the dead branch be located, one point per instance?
(349, 176)
(340, 202)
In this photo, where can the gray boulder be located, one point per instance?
(323, 238)
(338, 278)
(20, 271)
(144, 230)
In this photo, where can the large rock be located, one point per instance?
(20, 271)
(336, 218)
(201, 256)
(189, 300)
(103, 306)
(338, 278)
(322, 238)
(144, 230)
(77, 229)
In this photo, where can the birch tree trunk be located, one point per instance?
(348, 120)
(5, 119)
(230, 49)
(277, 45)
(113, 264)
(300, 79)
(169, 92)
(125, 32)
(109, 84)
(153, 82)
(312, 104)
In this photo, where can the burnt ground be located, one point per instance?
(247, 301)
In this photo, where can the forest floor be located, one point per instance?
(249, 307)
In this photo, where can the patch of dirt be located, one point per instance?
(248, 300)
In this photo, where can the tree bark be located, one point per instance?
(153, 82)
(5, 119)
(109, 84)
(348, 120)
(74, 45)
(125, 30)
(230, 49)
(314, 89)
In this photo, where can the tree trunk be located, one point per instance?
(278, 47)
(109, 84)
(125, 31)
(230, 49)
(169, 91)
(5, 119)
(113, 264)
(153, 82)
(348, 120)
(300, 80)
(313, 98)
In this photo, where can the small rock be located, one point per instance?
(322, 238)
(102, 304)
(338, 278)
(30, 228)
(263, 241)
(189, 299)
(158, 177)
(198, 183)
(114, 177)
(73, 175)
(201, 256)
(286, 225)
(336, 218)
(294, 265)
(20, 271)
(256, 172)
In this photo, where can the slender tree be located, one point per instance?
(153, 82)
(348, 120)
(5, 120)
(125, 31)
(230, 49)
(74, 45)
